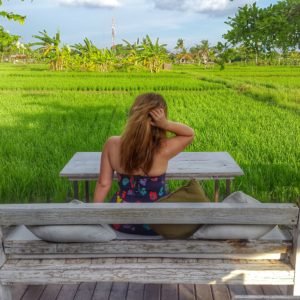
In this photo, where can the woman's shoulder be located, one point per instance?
(113, 140)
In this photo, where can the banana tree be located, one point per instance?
(153, 55)
(51, 49)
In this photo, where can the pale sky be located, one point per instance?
(191, 20)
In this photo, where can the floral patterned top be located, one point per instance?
(137, 188)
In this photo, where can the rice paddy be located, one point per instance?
(250, 112)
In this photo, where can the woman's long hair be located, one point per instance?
(141, 140)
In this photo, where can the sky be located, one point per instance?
(168, 20)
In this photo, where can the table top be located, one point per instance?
(185, 165)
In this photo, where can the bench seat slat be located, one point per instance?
(150, 213)
(230, 249)
(179, 271)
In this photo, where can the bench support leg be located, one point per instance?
(5, 292)
(217, 190)
(87, 192)
(295, 259)
(76, 194)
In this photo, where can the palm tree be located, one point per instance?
(180, 45)
(203, 51)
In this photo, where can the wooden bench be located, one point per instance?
(155, 260)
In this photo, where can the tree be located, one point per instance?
(51, 49)
(246, 28)
(180, 45)
(7, 41)
(153, 55)
(11, 15)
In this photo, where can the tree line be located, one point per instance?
(269, 35)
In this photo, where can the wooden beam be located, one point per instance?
(295, 258)
(149, 213)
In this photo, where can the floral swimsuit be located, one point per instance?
(137, 188)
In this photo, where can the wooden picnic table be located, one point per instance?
(85, 166)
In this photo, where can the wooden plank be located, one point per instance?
(135, 291)
(102, 291)
(33, 292)
(51, 292)
(203, 292)
(230, 249)
(169, 291)
(151, 291)
(220, 292)
(118, 291)
(5, 292)
(18, 290)
(85, 291)
(274, 297)
(2, 252)
(68, 292)
(236, 290)
(199, 165)
(151, 213)
(176, 271)
(254, 289)
(186, 292)
(271, 289)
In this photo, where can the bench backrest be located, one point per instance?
(150, 213)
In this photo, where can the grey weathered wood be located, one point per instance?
(220, 292)
(237, 290)
(254, 289)
(51, 292)
(85, 291)
(18, 290)
(151, 213)
(5, 292)
(264, 297)
(34, 292)
(233, 249)
(271, 290)
(169, 291)
(295, 258)
(149, 271)
(102, 291)
(67, 292)
(152, 291)
(136, 291)
(199, 165)
(2, 253)
(203, 292)
(186, 292)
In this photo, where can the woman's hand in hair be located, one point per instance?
(159, 118)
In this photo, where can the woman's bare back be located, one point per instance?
(159, 166)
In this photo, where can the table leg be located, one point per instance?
(217, 190)
(76, 194)
(87, 192)
(228, 184)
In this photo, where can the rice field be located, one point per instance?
(250, 112)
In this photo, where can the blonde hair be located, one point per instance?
(140, 140)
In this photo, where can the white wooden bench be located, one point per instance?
(150, 261)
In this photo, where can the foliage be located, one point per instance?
(263, 30)
(12, 16)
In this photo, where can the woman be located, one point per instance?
(140, 156)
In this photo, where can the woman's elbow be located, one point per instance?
(191, 136)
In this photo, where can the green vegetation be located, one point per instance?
(251, 112)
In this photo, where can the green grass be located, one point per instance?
(46, 117)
